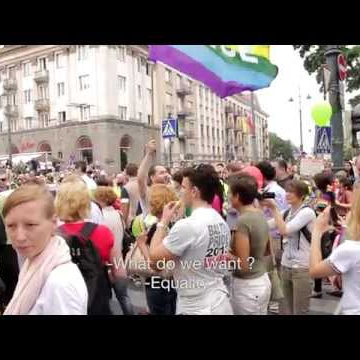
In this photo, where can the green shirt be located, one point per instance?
(253, 224)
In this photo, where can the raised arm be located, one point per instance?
(145, 166)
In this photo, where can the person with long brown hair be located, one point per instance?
(344, 260)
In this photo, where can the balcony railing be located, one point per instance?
(42, 76)
(10, 85)
(11, 110)
(42, 105)
(184, 90)
(185, 112)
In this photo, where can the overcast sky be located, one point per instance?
(284, 115)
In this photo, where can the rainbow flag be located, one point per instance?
(226, 69)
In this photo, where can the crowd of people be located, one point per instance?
(238, 238)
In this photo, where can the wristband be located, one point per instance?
(163, 226)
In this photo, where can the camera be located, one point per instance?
(265, 195)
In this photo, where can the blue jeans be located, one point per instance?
(120, 289)
(161, 301)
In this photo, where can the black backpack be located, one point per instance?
(304, 230)
(86, 256)
(327, 239)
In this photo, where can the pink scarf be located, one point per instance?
(33, 276)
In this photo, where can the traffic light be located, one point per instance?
(355, 125)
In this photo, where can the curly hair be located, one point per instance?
(159, 196)
(105, 194)
(72, 202)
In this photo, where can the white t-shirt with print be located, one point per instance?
(345, 259)
(64, 293)
(201, 244)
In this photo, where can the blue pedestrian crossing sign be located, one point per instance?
(323, 140)
(169, 128)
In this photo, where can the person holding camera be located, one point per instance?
(295, 226)
(344, 260)
(251, 287)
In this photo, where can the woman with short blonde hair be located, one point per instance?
(72, 202)
(49, 283)
(72, 205)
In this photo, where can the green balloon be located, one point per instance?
(321, 113)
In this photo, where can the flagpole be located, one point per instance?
(253, 131)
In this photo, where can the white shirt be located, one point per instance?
(64, 293)
(345, 259)
(113, 222)
(199, 241)
(296, 254)
(90, 183)
(96, 216)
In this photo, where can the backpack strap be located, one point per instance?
(87, 230)
(305, 231)
(285, 215)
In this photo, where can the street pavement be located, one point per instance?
(324, 306)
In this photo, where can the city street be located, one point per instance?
(325, 306)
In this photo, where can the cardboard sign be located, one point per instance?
(311, 167)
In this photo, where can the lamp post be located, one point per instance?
(300, 116)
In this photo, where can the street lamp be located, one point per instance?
(300, 114)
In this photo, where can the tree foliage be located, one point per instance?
(280, 148)
(314, 58)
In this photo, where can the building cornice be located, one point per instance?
(70, 124)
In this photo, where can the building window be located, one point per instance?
(148, 69)
(207, 131)
(44, 119)
(122, 83)
(121, 51)
(59, 60)
(14, 125)
(12, 73)
(139, 92)
(8, 100)
(178, 81)
(189, 104)
(26, 69)
(85, 113)
(202, 130)
(167, 75)
(83, 52)
(138, 63)
(29, 122)
(149, 119)
(27, 96)
(43, 92)
(168, 99)
(122, 112)
(84, 82)
(189, 83)
(179, 104)
(42, 63)
(61, 89)
(1, 127)
(140, 116)
(62, 117)
(149, 96)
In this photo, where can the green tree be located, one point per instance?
(280, 148)
(314, 57)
